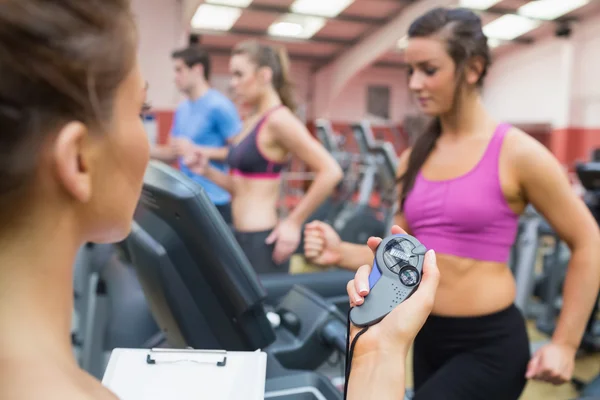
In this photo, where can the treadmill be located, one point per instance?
(204, 294)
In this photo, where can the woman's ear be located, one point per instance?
(72, 159)
(474, 70)
(265, 75)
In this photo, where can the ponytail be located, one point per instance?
(284, 85)
(423, 146)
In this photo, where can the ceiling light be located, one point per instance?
(493, 43)
(231, 3)
(296, 26)
(325, 8)
(509, 27)
(479, 4)
(402, 42)
(285, 29)
(214, 17)
(550, 9)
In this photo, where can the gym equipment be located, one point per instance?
(589, 176)
(110, 307)
(357, 222)
(349, 163)
(523, 256)
(396, 274)
(204, 293)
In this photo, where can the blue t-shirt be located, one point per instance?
(211, 121)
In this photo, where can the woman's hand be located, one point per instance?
(322, 244)
(196, 162)
(286, 237)
(553, 363)
(394, 333)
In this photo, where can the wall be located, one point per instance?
(351, 103)
(525, 86)
(554, 81)
(160, 32)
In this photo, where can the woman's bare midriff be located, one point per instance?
(472, 287)
(254, 204)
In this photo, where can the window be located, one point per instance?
(378, 101)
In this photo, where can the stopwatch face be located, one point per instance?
(409, 276)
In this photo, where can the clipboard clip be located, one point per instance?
(152, 360)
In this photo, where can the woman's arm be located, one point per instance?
(377, 376)
(546, 186)
(293, 136)
(349, 255)
(220, 178)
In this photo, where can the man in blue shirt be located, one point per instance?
(206, 118)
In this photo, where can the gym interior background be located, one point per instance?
(347, 65)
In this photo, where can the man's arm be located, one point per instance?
(165, 153)
(213, 153)
(168, 152)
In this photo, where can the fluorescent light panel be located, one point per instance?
(550, 9)
(213, 17)
(402, 42)
(296, 26)
(324, 8)
(231, 3)
(509, 27)
(479, 4)
(493, 43)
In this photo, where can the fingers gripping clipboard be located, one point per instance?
(159, 374)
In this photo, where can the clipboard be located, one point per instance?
(186, 374)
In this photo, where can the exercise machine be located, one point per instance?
(523, 258)
(204, 293)
(359, 221)
(110, 307)
(589, 176)
(556, 267)
(349, 163)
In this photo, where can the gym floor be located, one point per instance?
(586, 368)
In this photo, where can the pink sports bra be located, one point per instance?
(466, 216)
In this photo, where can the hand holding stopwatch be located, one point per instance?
(395, 276)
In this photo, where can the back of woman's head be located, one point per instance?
(60, 61)
(461, 32)
(277, 60)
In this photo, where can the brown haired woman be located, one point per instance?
(261, 81)
(74, 152)
(73, 155)
(463, 185)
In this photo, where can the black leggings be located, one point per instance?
(471, 357)
(259, 253)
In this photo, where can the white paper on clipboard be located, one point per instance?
(186, 375)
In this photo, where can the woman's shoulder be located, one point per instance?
(520, 145)
(43, 380)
